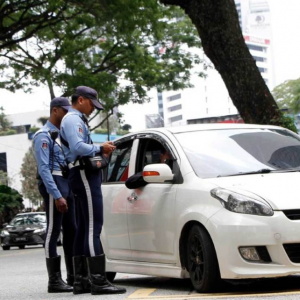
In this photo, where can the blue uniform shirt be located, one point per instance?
(76, 132)
(43, 146)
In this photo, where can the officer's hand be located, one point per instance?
(108, 148)
(61, 205)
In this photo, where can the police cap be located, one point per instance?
(60, 102)
(89, 93)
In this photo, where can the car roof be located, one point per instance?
(204, 127)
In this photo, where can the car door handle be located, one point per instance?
(132, 198)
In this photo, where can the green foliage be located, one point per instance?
(100, 131)
(122, 48)
(126, 127)
(5, 125)
(122, 132)
(11, 203)
(43, 120)
(29, 181)
(287, 95)
(34, 129)
(289, 123)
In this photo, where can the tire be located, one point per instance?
(5, 248)
(111, 276)
(202, 260)
(22, 247)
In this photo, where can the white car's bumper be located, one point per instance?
(229, 231)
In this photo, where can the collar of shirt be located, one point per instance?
(80, 114)
(51, 126)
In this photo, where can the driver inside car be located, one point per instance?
(136, 181)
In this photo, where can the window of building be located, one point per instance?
(160, 105)
(175, 97)
(262, 70)
(261, 59)
(256, 48)
(207, 110)
(174, 108)
(206, 99)
(174, 119)
(118, 166)
(3, 162)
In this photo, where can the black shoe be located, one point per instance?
(70, 270)
(81, 281)
(55, 283)
(99, 284)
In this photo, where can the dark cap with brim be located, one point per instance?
(89, 93)
(60, 102)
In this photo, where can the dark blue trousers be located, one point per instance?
(56, 220)
(89, 211)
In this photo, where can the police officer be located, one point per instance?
(58, 199)
(89, 259)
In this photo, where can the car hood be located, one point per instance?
(23, 227)
(280, 190)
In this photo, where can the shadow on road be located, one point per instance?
(258, 286)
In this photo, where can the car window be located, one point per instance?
(152, 152)
(119, 163)
(216, 153)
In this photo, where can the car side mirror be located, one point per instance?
(157, 173)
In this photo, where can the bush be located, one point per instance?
(8, 132)
(101, 131)
(34, 129)
(289, 123)
(122, 132)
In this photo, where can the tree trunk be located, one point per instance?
(222, 40)
(51, 89)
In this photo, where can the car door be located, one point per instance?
(115, 237)
(151, 211)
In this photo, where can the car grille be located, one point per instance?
(292, 214)
(21, 233)
(293, 252)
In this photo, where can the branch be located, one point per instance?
(107, 116)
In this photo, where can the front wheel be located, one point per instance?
(5, 247)
(22, 247)
(202, 260)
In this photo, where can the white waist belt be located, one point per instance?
(72, 165)
(56, 172)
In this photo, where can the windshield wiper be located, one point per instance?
(261, 171)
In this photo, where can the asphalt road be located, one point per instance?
(23, 276)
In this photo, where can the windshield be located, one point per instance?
(28, 220)
(227, 152)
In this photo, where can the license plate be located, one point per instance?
(19, 239)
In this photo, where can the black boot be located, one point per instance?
(81, 281)
(55, 283)
(99, 283)
(70, 271)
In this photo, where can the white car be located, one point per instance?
(225, 205)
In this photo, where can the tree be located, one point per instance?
(121, 57)
(222, 40)
(29, 181)
(287, 95)
(5, 125)
(126, 127)
(11, 203)
(20, 20)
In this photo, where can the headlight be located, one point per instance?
(238, 203)
(40, 231)
(4, 233)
